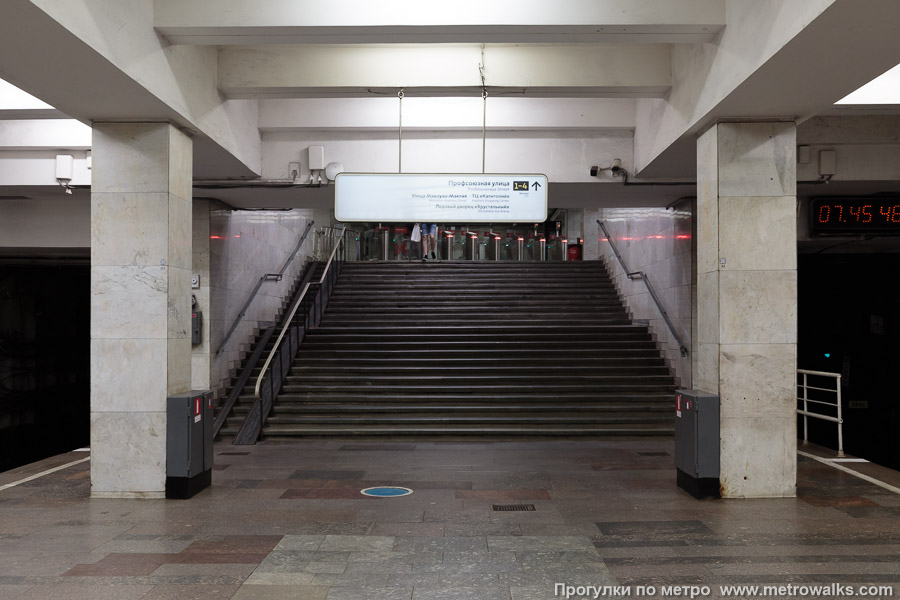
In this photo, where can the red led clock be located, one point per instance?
(838, 215)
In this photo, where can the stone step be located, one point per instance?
(555, 371)
(460, 349)
(635, 384)
(665, 408)
(511, 354)
(474, 396)
(480, 431)
(407, 419)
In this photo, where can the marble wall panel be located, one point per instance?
(200, 353)
(706, 369)
(128, 375)
(131, 157)
(758, 457)
(757, 159)
(128, 455)
(181, 165)
(683, 303)
(758, 233)
(178, 361)
(757, 307)
(129, 302)
(707, 236)
(707, 166)
(708, 307)
(758, 380)
(243, 247)
(200, 371)
(648, 242)
(129, 229)
(178, 322)
(180, 233)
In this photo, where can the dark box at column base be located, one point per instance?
(699, 487)
(187, 487)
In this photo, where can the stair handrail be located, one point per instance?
(265, 277)
(643, 277)
(249, 365)
(251, 429)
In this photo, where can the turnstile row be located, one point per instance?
(387, 244)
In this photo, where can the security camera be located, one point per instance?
(616, 167)
(65, 166)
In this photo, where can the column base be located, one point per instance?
(699, 487)
(182, 488)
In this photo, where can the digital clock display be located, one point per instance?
(836, 215)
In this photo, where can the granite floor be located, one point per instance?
(287, 520)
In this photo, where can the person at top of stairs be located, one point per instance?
(429, 231)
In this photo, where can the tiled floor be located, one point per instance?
(287, 521)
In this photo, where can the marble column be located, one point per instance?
(140, 301)
(746, 345)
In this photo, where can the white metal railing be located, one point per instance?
(803, 395)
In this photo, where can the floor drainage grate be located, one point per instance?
(513, 507)
(653, 453)
(386, 492)
(233, 453)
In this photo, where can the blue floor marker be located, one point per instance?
(386, 492)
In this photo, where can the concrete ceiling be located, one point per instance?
(115, 60)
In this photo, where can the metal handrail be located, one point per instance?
(643, 276)
(266, 277)
(249, 366)
(238, 387)
(839, 419)
(257, 402)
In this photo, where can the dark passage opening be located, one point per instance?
(849, 323)
(44, 361)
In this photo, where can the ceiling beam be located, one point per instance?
(438, 70)
(815, 53)
(116, 68)
(259, 22)
(446, 114)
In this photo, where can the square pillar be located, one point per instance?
(746, 345)
(140, 301)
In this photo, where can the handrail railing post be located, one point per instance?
(840, 419)
(805, 410)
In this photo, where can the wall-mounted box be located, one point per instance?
(316, 158)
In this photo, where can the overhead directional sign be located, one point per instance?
(440, 198)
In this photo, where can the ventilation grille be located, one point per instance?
(513, 507)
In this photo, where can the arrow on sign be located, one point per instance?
(535, 185)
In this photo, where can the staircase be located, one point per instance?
(311, 272)
(475, 349)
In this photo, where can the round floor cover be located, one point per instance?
(386, 491)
